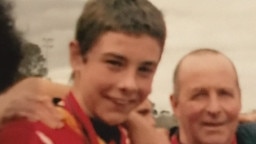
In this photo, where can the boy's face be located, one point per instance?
(116, 75)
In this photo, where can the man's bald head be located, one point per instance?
(198, 53)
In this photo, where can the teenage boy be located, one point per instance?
(117, 47)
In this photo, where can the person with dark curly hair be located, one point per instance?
(26, 98)
(10, 47)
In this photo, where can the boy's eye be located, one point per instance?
(114, 63)
(145, 69)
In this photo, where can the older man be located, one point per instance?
(206, 99)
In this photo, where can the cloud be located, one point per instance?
(38, 16)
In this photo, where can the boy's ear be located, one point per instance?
(174, 103)
(75, 56)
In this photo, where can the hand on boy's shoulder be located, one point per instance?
(31, 98)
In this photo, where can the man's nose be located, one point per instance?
(213, 106)
(128, 83)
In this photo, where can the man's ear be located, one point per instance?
(174, 103)
(75, 56)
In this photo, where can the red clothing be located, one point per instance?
(174, 140)
(74, 132)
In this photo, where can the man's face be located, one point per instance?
(145, 109)
(116, 75)
(208, 102)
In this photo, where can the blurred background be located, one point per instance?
(228, 26)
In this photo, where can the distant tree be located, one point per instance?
(33, 62)
(165, 112)
(166, 120)
(155, 112)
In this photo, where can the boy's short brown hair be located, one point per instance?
(133, 17)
